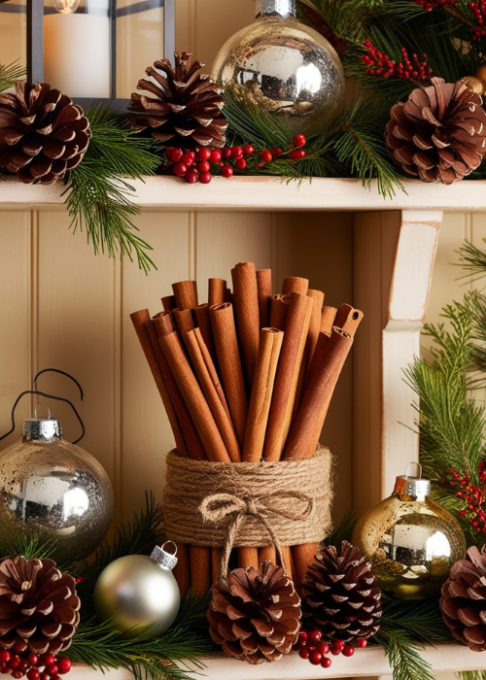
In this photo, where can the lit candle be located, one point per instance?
(77, 49)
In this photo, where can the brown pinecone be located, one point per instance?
(255, 614)
(463, 601)
(42, 133)
(339, 595)
(439, 134)
(38, 605)
(185, 106)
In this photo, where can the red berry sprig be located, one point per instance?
(430, 5)
(478, 8)
(314, 649)
(472, 496)
(19, 662)
(202, 164)
(380, 64)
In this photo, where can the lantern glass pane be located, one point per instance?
(77, 49)
(139, 41)
(13, 32)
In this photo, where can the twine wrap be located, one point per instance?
(202, 500)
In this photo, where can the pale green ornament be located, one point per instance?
(139, 593)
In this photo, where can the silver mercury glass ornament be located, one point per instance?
(53, 491)
(285, 67)
(411, 541)
(139, 593)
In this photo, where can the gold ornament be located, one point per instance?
(475, 84)
(481, 74)
(411, 541)
(139, 593)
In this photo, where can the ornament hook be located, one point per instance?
(175, 548)
(41, 403)
(417, 469)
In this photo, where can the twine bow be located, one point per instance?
(217, 507)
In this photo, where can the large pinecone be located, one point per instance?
(185, 106)
(42, 133)
(463, 601)
(255, 614)
(38, 605)
(339, 595)
(439, 134)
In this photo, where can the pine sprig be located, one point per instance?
(9, 74)
(98, 195)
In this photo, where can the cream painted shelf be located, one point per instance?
(365, 663)
(263, 193)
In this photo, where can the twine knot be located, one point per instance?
(218, 506)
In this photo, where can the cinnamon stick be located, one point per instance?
(245, 297)
(287, 376)
(228, 354)
(200, 559)
(302, 556)
(215, 562)
(327, 319)
(216, 291)
(209, 382)
(141, 323)
(161, 326)
(315, 323)
(169, 303)
(182, 572)
(295, 284)
(279, 308)
(183, 319)
(322, 382)
(261, 396)
(248, 557)
(194, 398)
(264, 286)
(348, 318)
(288, 562)
(201, 314)
(185, 293)
(268, 552)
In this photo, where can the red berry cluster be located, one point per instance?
(380, 64)
(429, 5)
(473, 496)
(202, 164)
(312, 647)
(478, 8)
(23, 663)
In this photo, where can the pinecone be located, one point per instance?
(339, 595)
(255, 614)
(463, 601)
(42, 133)
(185, 107)
(38, 605)
(439, 134)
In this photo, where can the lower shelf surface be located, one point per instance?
(364, 663)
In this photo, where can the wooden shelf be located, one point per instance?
(365, 663)
(263, 193)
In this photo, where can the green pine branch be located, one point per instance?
(98, 195)
(9, 74)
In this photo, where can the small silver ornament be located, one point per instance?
(285, 67)
(411, 541)
(53, 491)
(139, 593)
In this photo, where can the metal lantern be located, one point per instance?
(92, 50)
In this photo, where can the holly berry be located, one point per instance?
(5, 656)
(216, 156)
(304, 653)
(315, 636)
(205, 177)
(189, 157)
(192, 177)
(203, 154)
(335, 651)
(348, 650)
(302, 636)
(180, 169)
(64, 665)
(20, 646)
(315, 657)
(174, 154)
(227, 171)
(53, 669)
(299, 140)
(226, 152)
(323, 648)
(33, 674)
(326, 662)
(241, 164)
(33, 659)
(45, 676)
(266, 156)
(276, 152)
(361, 643)
(339, 644)
(15, 661)
(296, 154)
(203, 166)
(248, 150)
(17, 674)
(311, 648)
(236, 152)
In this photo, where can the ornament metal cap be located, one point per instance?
(284, 8)
(164, 559)
(41, 428)
(412, 487)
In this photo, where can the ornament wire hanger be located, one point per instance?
(48, 396)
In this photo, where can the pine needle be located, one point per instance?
(9, 74)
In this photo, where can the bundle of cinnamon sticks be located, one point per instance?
(245, 377)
